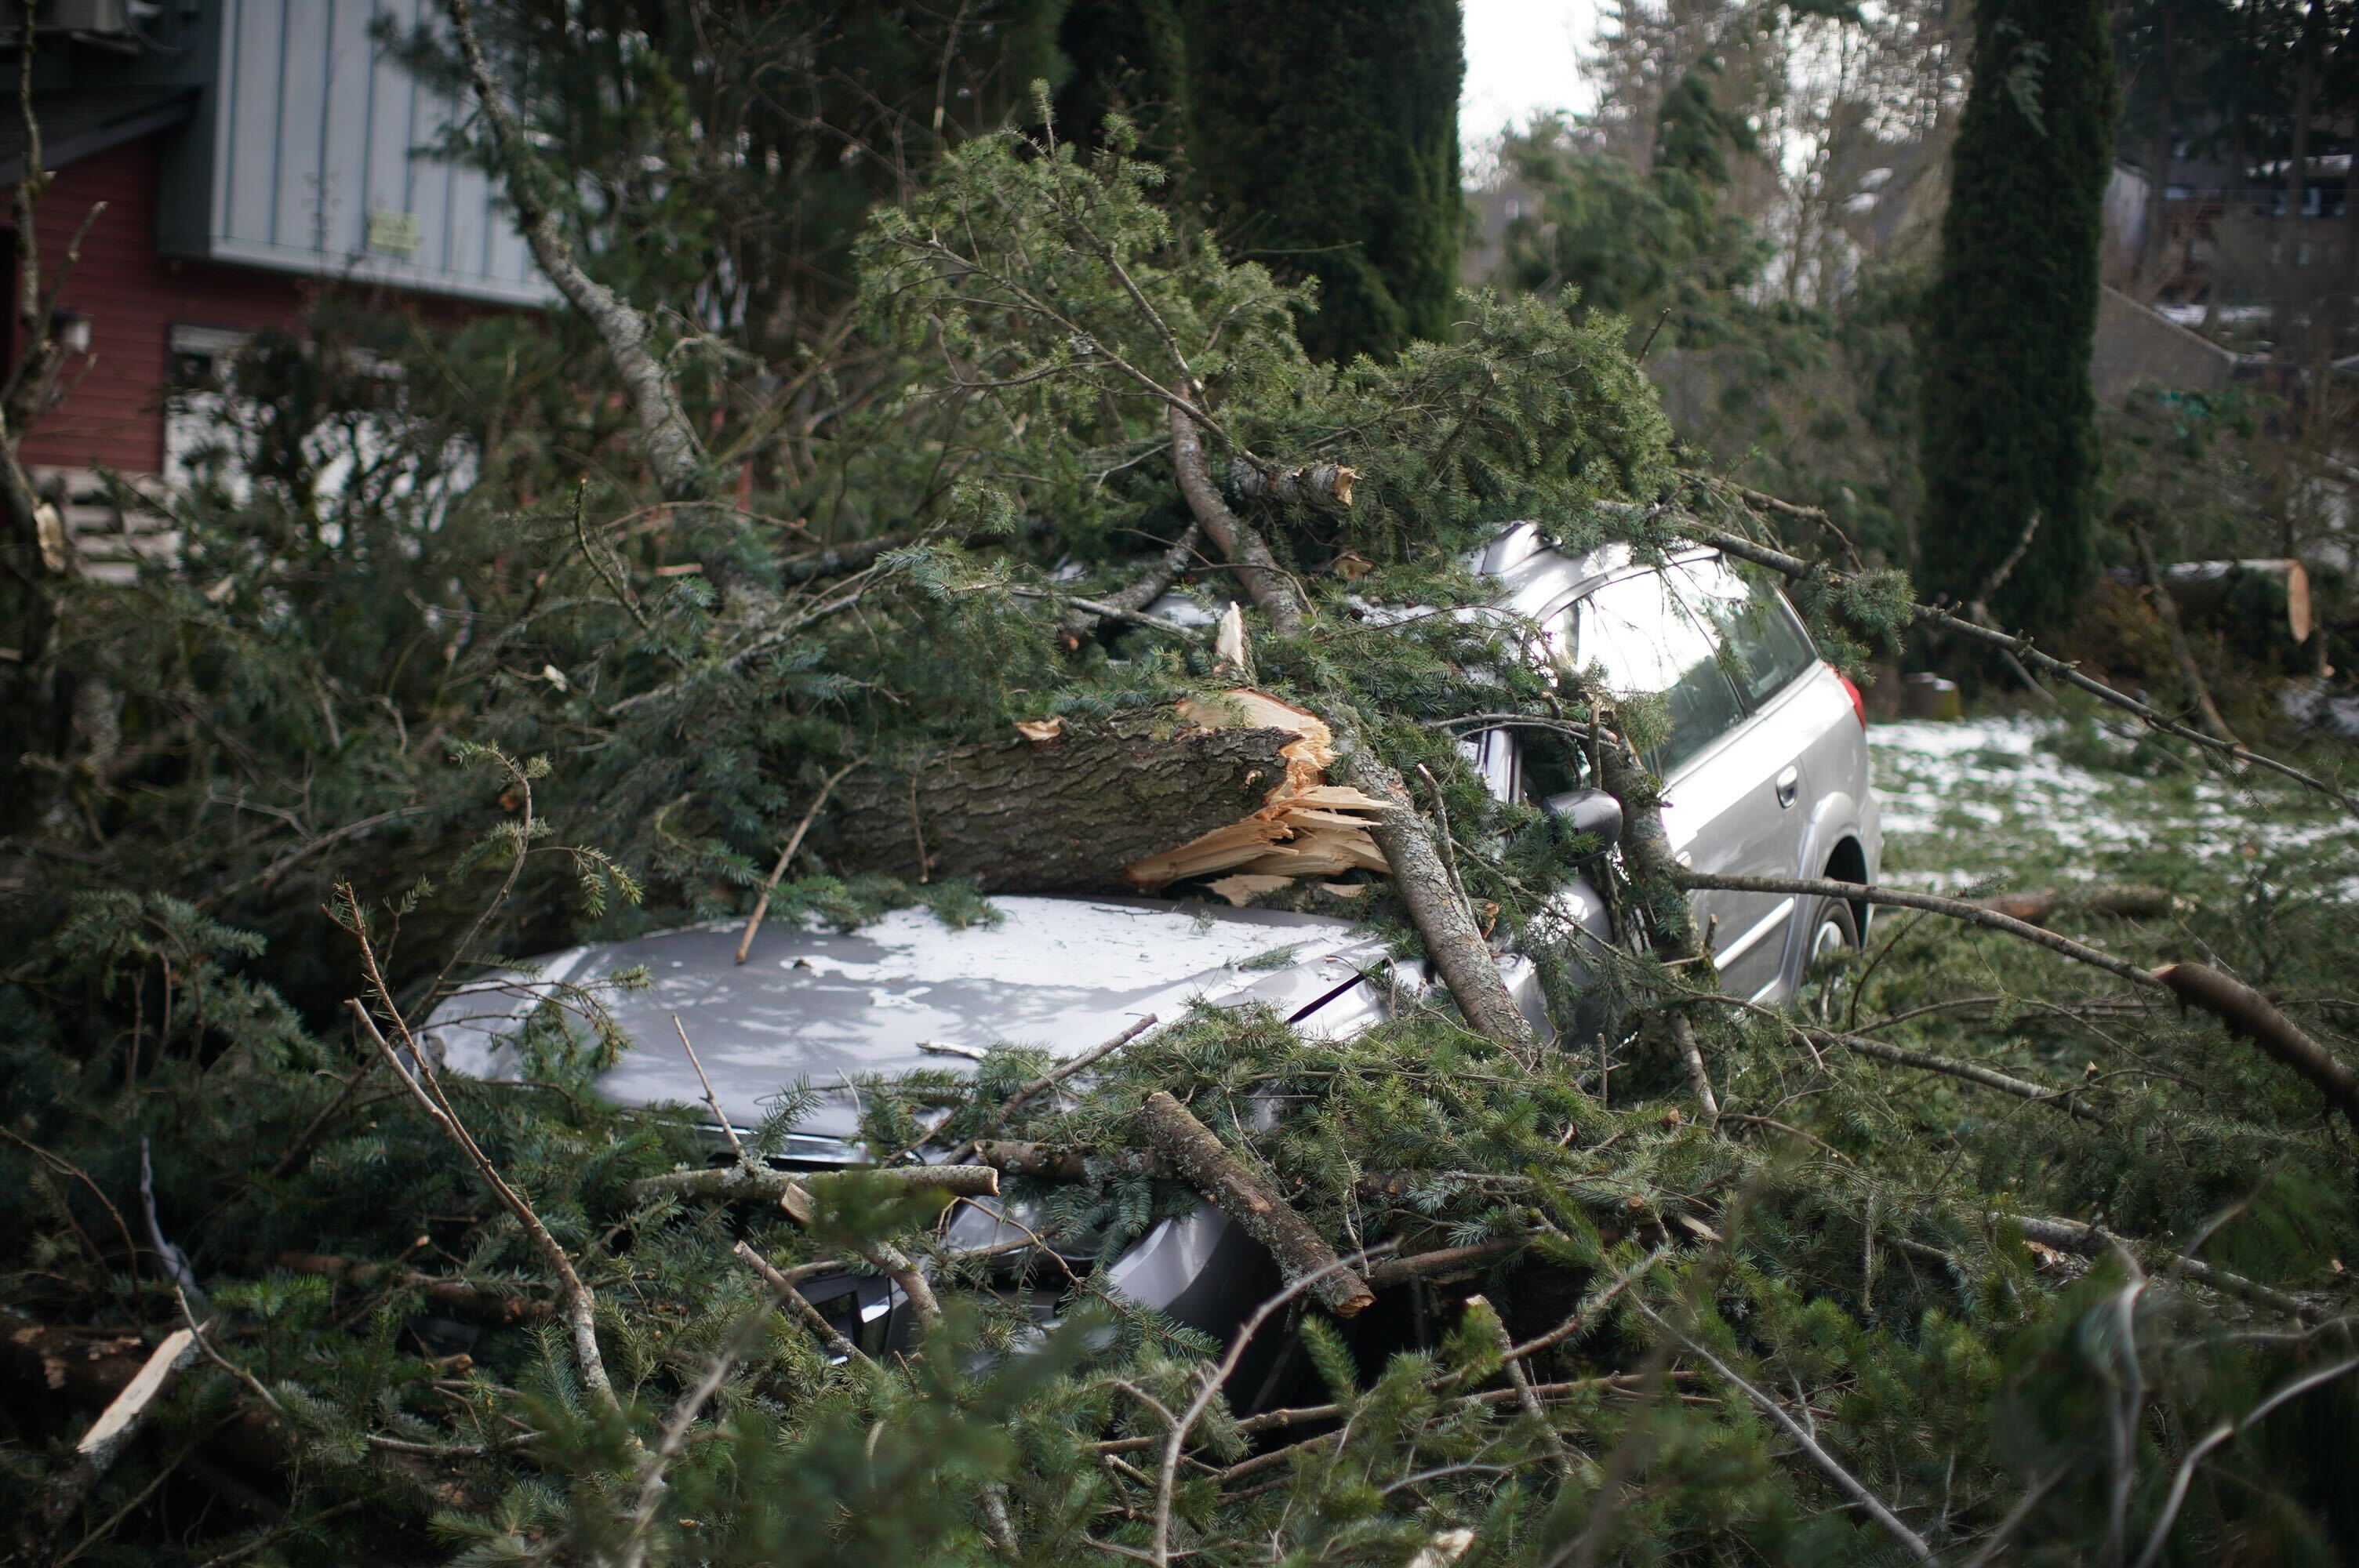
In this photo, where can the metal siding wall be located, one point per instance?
(346, 128)
(249, 111)
(302, 115)
(316, 130)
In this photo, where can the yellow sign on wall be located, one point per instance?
(395, 234)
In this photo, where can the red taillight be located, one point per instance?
(1858, 703)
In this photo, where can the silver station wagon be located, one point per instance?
(1764, 759)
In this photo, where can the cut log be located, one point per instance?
(1233, 784)
(1247, 1196)
(2203, 589)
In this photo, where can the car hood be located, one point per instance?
(828, 1007)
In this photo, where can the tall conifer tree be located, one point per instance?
(2009, 417)
(1322, 139)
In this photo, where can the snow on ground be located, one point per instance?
(2036, 802)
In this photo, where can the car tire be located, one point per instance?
(1834, 939)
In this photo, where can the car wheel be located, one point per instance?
(1834, 942)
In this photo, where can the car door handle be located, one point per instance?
(1788, 785)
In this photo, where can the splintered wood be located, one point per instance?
(1305, 827)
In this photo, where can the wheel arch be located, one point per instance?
(1847, 862)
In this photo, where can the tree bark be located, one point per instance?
(1068, 815)
(734, 1183)
(1326, 486)
(1246, 1196)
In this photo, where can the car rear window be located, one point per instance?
(1764, 646)
(1649, 641)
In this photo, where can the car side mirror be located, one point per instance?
(1588, 811)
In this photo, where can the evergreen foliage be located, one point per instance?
(487, 697)
(1322, 140)
(2009, 420)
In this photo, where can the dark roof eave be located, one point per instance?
(78, 145)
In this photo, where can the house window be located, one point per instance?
(201, 438)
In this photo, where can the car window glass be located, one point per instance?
(1649, 642)
(1764, 648)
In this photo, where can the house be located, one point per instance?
(248, 154)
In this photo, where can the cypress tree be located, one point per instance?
(1322, 139)
(2009, 417)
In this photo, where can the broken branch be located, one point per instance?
(2248, 1012)
(1246, 1196)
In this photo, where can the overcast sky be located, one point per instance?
(1522, 56)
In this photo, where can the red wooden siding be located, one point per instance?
(112, 413)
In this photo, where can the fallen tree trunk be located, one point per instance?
(2129, 901)
(1229, 784)
(2207, 589)
(1245, 1195)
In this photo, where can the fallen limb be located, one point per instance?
(1479, 1309)
(454, 1296)
(737, 1184)
(794, 843)
(1442, 1263)
(426, 1087)
(1648, 851)
(1055, 1163)
(1248, 1198)
(1128, 803)
(2248, 1012)
(2129, 901)
(894, 1264)
(1266, 583)
(1454, 941)
(2090, 1240)
(1176, 1439)
(1955, 908)
(2066, 1100)
(1326, 486)
(2313, 1378)
(785, 1286)
(1136, 596)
